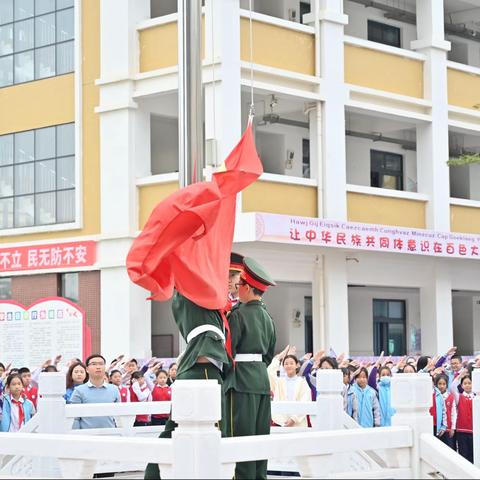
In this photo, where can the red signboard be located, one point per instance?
(55, 255)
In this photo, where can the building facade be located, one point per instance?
(358, 108)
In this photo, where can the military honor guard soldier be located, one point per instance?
(247, 385)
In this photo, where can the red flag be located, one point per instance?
(187, 240)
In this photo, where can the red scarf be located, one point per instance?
(21, 412)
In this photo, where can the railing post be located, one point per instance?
(329, 400)
(476, 417)
(329, 417)
(196, 408)
(412, 398)
(51, 410)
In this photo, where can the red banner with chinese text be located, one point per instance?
(55, 255)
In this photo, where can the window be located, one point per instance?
(5, 288)
(37, 177)
(389, 327)
(36, 39)
(383, 33)
(308, 317)
(69, 286)
(306, 158)
(386, 170)
(304, 9)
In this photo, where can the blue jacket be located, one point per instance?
(28, 408)
(368, 407)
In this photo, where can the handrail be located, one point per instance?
(279, 22)
(89, 447)
(445, 460)
(117, 409)
(380, 47)
(240, 449)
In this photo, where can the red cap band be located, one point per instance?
(236, 266)
(253, 282)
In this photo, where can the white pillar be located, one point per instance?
(432, 139)
(318, 306)
(124, 127)
(223, 118)
(336, 302)
(329, 417)
(51, 411)
(329, 400)
(329, 23)
(436, 311)
(476, 417)
(196, 407)
(126, 316)
(125, 156)
(411, 399)
(315, 125)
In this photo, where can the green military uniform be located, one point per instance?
(209, 343)
(247, 385)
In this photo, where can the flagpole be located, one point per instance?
(190, 92)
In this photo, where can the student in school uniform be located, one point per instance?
(290, 387)
(116, 379)
(350, 404)
(385, 396)
(464, 402)
(140, 391)
(438, 411)
(450, 417)
(29, 391)
(368, 407)
(161, 393)
(17, 410)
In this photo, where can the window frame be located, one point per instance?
(36, 48)
(383, 171)
(387, 321)
(56, 190)
(384, 27)
(61, 286)
(9, 279)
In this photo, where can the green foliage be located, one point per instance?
(464, 159)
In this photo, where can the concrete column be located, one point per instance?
(329, 417)
(436, 311)
(51, 410)
(336, 302)
(432, 139)
(476, 417)
(223, 118)
(125, 156)
(318, 306)
(330, 22)
(126, 316)
(196, 407)
(411, 399)
(118, 36)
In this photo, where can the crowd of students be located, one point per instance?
(367, 395)
(127, 382)
(366, 392)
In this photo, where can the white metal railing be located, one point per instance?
(405, 450)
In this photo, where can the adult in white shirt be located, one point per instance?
(290, 387)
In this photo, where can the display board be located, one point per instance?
(47, 328)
